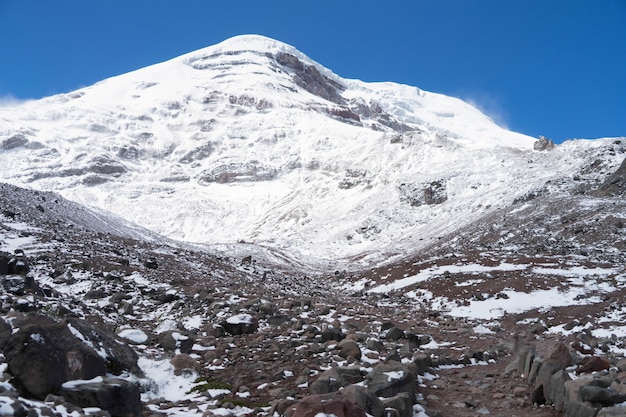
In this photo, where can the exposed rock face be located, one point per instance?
(309, 78)
(615, 185)
(420, 194)
(543, 144)
(238, 172)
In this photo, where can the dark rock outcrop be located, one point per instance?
(117, 396)
(543, 144)
(42, 356)
(309, 78)
(240, 324)
(430, 193)
(614, 185)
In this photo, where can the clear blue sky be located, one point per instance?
(541, 67)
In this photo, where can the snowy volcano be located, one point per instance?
(250, 141)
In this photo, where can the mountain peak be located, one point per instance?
(252, 42)
(237, 45)
(253, 141)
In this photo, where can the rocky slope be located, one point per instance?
(163, 328)
(349, 248)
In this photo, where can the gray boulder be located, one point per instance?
(559, 359)
(604, 396)
(173, 340)
(555, 391)
(119, 397)
(336, 378)
(5, 333)
(365, 399)
(578, 409)
(612, 412)
(348, 347)
(402, 403)
(390, 379)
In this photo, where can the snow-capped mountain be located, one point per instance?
(251, 141)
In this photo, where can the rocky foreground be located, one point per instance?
(103, 320)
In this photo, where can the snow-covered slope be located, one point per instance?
(252, 141)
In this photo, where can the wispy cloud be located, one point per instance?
(490, 106)
(10, 101)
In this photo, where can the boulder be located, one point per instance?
(390, 379)
(578, 409)
(4, 263)
(348, 347)
(393, 333)
(173, 340)
(240, 324)
(612, 412)
(543, 144)
(422, 362)
(572, 388)
(402, 403)
(16, 284)
(592, 364)
(604, 396)
(42, 356)
(365, 399)
(18, 264)
(334, 379)
(119, 356)
(119, 397)
(559, 359)
(333, 404)
(374, 344)
(332, 333)
(555, 391)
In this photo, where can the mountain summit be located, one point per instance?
(251, 141)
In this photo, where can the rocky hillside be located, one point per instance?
(241, 232)
(100, 317)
